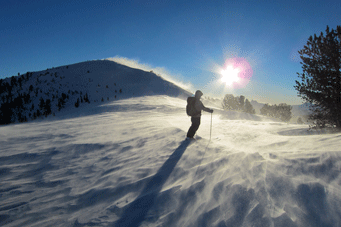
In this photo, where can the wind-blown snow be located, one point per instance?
(158, 70)
(125, 163)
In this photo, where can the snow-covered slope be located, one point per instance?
(87, 82)
(125, 163)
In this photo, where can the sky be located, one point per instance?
(190, 40)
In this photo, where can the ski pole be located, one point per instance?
(211, 128)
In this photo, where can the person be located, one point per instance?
(197, 118)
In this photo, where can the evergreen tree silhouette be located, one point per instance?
(320, 82)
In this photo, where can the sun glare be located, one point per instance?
(236, 73)
(230, 75)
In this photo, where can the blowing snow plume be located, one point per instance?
(158, 70)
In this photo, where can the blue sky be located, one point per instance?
(191, 40)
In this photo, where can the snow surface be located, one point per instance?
(126, 163)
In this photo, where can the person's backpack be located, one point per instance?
(190, 108)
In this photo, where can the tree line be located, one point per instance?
(24, 97)
(239, 103)
(281, 111)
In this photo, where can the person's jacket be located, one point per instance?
(199, 107)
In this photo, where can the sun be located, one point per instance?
(236, 73)
(230, 75)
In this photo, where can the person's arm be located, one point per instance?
(207, 110)
(202, 107)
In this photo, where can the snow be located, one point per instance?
(126, 163)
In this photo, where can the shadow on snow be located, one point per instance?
(136, 212)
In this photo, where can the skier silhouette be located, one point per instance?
(196, 118)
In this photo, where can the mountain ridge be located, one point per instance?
(34, 94)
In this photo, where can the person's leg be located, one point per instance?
(194, 127)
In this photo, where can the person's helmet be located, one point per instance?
(198, 94)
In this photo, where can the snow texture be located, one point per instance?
(126, 162)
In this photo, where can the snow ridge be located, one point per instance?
(38, 94)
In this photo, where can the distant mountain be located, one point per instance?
(301, 110)
(37, 94)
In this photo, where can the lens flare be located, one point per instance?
(230, 75)
(236, 73)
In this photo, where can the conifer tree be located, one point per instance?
(41, 104)
(61, 102)
(320, 82)
(230, 102)
(77, 103)
(6, 113)
(284, 112)
(38, 113)
(248, 108)
(242, 102)
(86, 98)
(13, 81)
(300, 121)
(47, 107)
